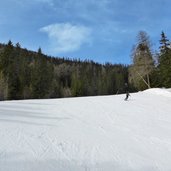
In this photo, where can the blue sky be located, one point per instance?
(100, 30)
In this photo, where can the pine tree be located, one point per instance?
(3, 87)
(8, 68)
(164, 43)
(76, 85)
(42, 75)
(165, 62)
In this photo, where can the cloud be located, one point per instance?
(65, 37)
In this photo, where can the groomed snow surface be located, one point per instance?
(103, 133)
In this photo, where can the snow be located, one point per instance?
(103, 133)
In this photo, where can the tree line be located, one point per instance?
(26, 74)
(148, 68)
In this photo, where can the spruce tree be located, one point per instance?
(165, 62)
(164, 43)
(42, 75)
(8, 68)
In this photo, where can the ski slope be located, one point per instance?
(103, 133)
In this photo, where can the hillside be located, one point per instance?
(25, 74)
(102, 133)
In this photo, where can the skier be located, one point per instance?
(127, 91)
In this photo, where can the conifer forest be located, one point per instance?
(25, 74)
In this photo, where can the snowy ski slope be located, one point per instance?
(103, 133)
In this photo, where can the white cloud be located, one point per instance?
(65, 37)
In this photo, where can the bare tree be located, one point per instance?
(143, 63)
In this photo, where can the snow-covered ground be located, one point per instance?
(103, 133)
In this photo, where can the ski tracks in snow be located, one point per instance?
(86, 134)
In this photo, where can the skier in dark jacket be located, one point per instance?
(127, 91)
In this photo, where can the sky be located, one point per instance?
(99, 30)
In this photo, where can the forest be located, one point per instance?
(25, 74)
